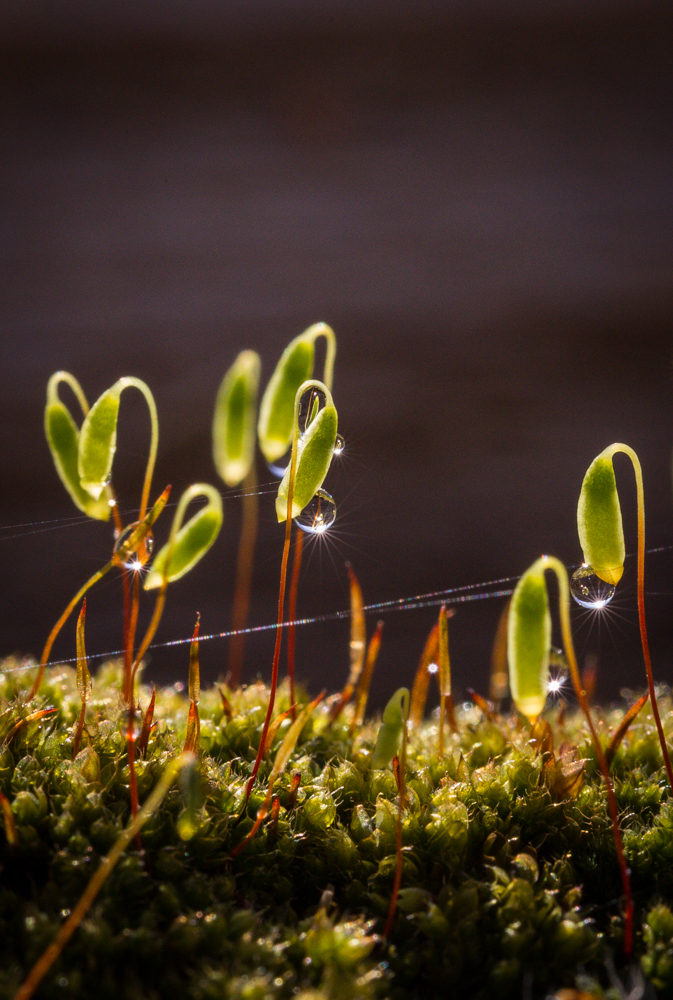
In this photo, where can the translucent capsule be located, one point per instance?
(339, 445)
(318, 515)
(589, 590)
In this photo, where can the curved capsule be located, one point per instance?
(315, 450)
(63, 436)
(234, 419)
(599, 520)
(528, 642)
(389, 736)
(276, 412)
(190, 541)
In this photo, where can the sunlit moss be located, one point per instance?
(506, 885)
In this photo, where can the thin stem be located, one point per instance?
(292, 613)
(52, 389)
(323, 330)
(244, 567)
(61, 622)
(550, 562)
(154, 440)
(626, 450)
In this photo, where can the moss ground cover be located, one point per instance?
(509, 885)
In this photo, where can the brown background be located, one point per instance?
(476, 196)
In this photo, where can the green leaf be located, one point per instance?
(599, 520)
(389, 736)
(528, 642)
(234, 420)
(315, 450)
(63, 436)
(189, 542)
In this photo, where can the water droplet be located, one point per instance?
(278, 467)
(134, 559)
(310, 403)
(589, 590)
(149, 544)
(339, 445)
(318, 515)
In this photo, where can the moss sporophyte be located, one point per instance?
(246, 842)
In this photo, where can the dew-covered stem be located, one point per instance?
(244, 568)
(551, 563)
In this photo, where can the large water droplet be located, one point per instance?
(318, 515)
(134, 559)
(278, 467)
(310, 403)
(339, 445)
(589, 590)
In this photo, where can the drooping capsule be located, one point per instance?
(315, 450)
(276, 412)
(62, 435)
(235, 418)
(599, 520)
(389, 736)
(190, 541)
(528, 642)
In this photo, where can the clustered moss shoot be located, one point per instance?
(507, 886)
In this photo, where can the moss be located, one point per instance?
(507, 885)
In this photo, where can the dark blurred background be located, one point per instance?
(476, 195)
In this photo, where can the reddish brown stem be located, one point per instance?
(244, 567)
(292, 612)
(276, 658)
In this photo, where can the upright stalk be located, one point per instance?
(244, 565)
(626, 450)
(550, 562)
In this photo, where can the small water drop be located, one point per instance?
(589, 590)
(149, 544)
(278, 467)
(310, 403)
(318, 515)
(339, 445)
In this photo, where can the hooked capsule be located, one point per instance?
(188, 542)
(393, 721)
(315, 450)
(599, 520)
(234, 419)
(63, 437)
(276, 412)
(528, 642)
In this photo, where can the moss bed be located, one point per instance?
(510, 884)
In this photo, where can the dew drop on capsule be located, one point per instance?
(311, 402)
(589, 590)
(339, 445)
(318, 515)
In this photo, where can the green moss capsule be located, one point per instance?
(390, 732)
(188, 542)
(315, 450)
(599, 520)
(234, 419)
(276, 412)
(63, 437)
(528, 642)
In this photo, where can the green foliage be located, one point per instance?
(505, 888)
